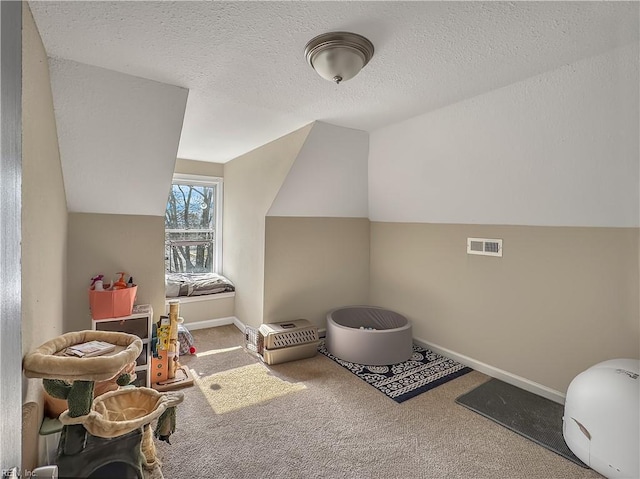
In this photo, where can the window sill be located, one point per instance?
(205, 297)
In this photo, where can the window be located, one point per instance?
(193, 225)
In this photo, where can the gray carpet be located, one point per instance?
(532, 416)
(314, 419)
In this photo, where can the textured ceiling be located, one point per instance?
(249, 83)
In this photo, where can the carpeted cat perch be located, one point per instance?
(110, 435)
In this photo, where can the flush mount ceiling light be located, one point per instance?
(338, 56)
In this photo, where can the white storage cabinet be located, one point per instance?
(138, 323)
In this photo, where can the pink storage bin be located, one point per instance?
(112, 304)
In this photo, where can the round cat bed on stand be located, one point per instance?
(49, 361)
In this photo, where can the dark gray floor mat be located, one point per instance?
(532, 416)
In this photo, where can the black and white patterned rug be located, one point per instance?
(424, 371)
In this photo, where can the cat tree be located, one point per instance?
(109, 435)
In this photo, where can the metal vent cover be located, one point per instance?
(484, 246)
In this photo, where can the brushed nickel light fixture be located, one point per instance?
(338, 56)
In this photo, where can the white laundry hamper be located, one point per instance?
(601, 422)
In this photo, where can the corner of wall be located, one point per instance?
(557, 179)
(329, 177)
(44, 229)
(200, 168)
(252, 181)
(317, 230)
(313, 265)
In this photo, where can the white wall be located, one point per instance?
(316, 250)
(329, 176)
(118, 138)
(201, 168)
(251, 182)
(550, 165)
(557, 149)
(44, 207)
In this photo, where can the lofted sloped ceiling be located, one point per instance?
(136, 84)
(118, 137)
(249, 83)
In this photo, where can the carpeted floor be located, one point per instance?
(314, 419)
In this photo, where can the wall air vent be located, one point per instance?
(484, 246)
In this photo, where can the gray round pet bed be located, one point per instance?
(369, 335)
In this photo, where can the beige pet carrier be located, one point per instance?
(281, 342)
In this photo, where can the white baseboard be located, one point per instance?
(494, 372)
(214, 323)
(211, 323)
(238, 324)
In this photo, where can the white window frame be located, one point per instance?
(199, 180)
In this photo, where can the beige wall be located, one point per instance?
(313, 265)
(107, 244)
(202, 168)
(560, 299)
(251, 182)
(44, 207)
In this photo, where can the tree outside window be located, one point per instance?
(190, 222)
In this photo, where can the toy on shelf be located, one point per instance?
(96, 283)
(114, 428)
(120, 283)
